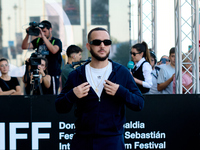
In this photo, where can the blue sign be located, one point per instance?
(10, 43)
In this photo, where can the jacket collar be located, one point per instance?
(81, 69)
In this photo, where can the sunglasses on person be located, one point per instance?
(164, 60)
(134, 54)
(98, 42)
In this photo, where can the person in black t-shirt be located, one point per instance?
(46, 42)
(8, 85)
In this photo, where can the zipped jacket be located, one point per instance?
(105, 115)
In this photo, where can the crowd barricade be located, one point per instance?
(166, 122)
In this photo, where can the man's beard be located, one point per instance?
(98, 57)
(48, 36)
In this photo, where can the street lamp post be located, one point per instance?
(15, 8)
(9, 28)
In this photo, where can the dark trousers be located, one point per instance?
(97, 143)
(54, 85)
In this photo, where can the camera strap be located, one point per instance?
(38, 40)
(5, 84)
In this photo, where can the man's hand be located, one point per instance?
(82, 90)
(41, 71)
(27, 30)
(110, 87)
(41, 35)
(13, 91)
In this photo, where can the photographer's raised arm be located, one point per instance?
(52, 48)
(25, 43)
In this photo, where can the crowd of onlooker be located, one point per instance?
(36, 80)
(161, 77)
(151, 76)
(163, 73)
(43, 74)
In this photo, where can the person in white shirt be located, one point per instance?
(166, 75)
(142, 69)
(154, 74)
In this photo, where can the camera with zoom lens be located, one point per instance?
(34, 28)
(79, 63)
(32, 76)
(35, 60)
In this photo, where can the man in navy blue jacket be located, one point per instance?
(101, 90)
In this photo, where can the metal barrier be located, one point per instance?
(166, 122)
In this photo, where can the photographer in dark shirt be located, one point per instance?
(45, 42)
(44, 78)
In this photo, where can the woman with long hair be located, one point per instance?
(142, 69)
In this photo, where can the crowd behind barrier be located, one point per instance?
(37, 80)
(156, 80)
(155, 73)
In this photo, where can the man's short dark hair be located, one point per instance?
(73, 49)
(3, 59)
(95, 29)
(46, 24)
(172, 51)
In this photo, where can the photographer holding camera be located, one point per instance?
(44, 78)
(46, 43)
